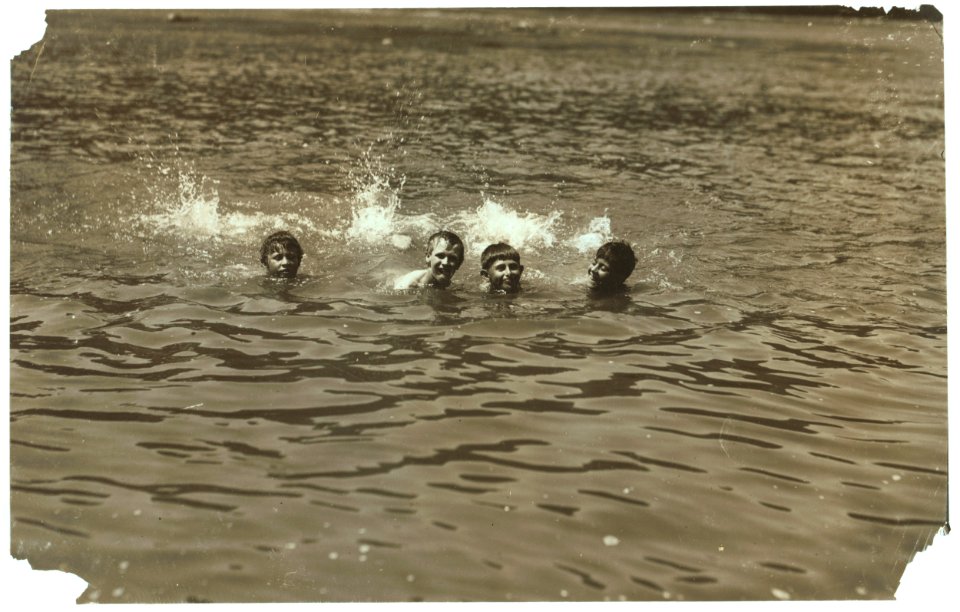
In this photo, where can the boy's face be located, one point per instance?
(282, 263)
(600, 273)
(504, 275)
(444, 260)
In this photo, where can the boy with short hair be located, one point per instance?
(444, 257)
(500, 266)
(612, 265)
(281, 254)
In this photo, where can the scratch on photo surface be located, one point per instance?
(720, 437)
(37, 61)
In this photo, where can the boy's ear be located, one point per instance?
(521, 268)
(484, 274)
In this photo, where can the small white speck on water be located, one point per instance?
(364, 548)
(333, 556)
(411, 577)
(362, 558)
(780, 593)
(697, 312)
(720, 548)
(123, 566)
(117, 592)
(861, 590)
(896, 477)
(290, 545)
(137, 512)
(506, 508)
(611, 540)
(563, 593)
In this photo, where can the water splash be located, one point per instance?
(598, 232)
(193, 213)
(493, 222)
(376, 217)
(193, 209)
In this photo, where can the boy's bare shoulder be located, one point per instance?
(411, 280)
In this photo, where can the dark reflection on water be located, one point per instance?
(770, 385)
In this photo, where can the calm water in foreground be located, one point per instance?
(762, 416)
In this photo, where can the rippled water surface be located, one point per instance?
(762, 415)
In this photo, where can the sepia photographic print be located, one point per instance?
(479, 304)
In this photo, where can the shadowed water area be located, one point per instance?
(762, 415)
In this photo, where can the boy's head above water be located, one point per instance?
(281, 254)
(500, 265)
(612, 265)
(444, 257)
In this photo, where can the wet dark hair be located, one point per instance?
(494, 252)
(280, 239)
(448, 236)
(621, 258)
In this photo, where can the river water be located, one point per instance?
(762, 415)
